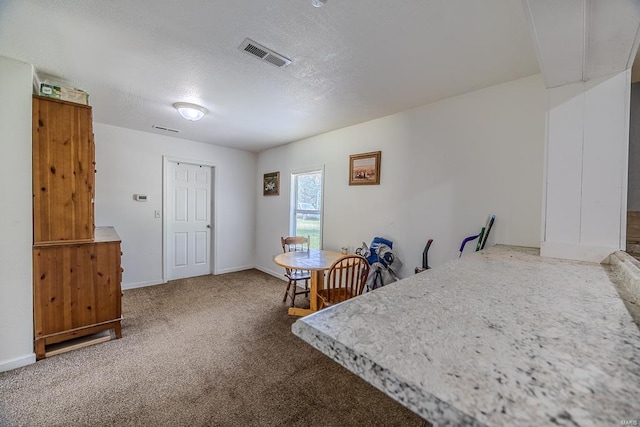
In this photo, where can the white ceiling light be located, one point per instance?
(189, 111)
(318, 3)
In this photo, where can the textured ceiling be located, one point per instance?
(353, 60)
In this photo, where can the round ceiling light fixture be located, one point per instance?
(318, 3)
(191, 112)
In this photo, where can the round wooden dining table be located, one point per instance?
(314, 260)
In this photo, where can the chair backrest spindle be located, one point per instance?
(346, 278)
(295, 244)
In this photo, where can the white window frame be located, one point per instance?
(293, 202)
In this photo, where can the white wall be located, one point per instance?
(130, 162)
(586, 178)
(445, 167)
(633, 192)
(16, 236)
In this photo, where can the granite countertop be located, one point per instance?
(501, 337)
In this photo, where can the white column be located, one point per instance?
(587, 149)
(16, 237)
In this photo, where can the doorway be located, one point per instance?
(188, 218)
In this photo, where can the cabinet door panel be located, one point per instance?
(76, 286)
(63, 171)
(82, 294)
(48, 292)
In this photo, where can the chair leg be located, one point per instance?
(286, 292)
(293, 294)
(306, 288)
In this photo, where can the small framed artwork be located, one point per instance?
(364, 169)
(271, 184)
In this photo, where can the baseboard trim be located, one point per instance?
(18, 362)
(234, 269)
(575, 252)
(141, 284)
(278, 275)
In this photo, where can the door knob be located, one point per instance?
(208, 226)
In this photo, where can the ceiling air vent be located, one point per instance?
(165, 129)
(263, 53)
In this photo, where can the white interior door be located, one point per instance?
(188, 220)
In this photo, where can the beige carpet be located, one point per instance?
(207, 351)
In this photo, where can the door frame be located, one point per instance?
(213, 250)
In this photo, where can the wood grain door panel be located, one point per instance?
(76, 286)
(63, 171)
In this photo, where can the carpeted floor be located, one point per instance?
(206, 351)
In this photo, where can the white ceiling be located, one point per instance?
(577, 40)
(353, 60)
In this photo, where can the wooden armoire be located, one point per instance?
(77, 268)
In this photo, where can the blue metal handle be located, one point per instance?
(464, 242)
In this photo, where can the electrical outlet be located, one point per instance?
(156, 213)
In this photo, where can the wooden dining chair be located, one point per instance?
(346, 279)
(293, 244)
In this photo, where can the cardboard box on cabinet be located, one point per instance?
(63, 93)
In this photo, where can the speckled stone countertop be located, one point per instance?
(502, 337)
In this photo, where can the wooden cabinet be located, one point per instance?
(63, 171)
(77, 290)
(77, 273)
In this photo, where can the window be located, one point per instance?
(306, 206)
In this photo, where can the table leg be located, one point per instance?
(317, 278)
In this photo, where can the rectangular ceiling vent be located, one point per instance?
(165, 129)
(264, 53)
